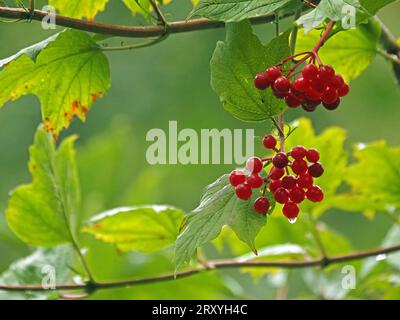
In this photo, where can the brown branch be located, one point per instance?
(217, 264)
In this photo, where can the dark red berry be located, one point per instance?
(289, 182)
(310, 106)
(260, 81)
(272, 74)
(337, 81)
(243, 191)
(312, 155)
(326, 73)
(315, 194)
(261, 205)
(281, 195)
(269, 142)
(332, 106)
(237, 177)
(280, 160)
(310, 72)
(344, 90)
(282, 85)
(279, 95)
(291, 210)
(292, 101)
(305, 181)
(316, 170)
(299, 167)
(300, 84)
(276, 173)
(297, 195)
(254, 165)
(255, 181)
(330, 95)
(275, 185)
(298, 152)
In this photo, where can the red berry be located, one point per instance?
(275, 185)
(281, 195)
(312, 155)
(300, 84)
(297, 195)
(272, 74)
(255, 181)
(305, 180)
(337, 81)
(298, 152)
(269, 142)
(289, 182)
(344, 90)
(261, 82)
(312, 94)
(315, 194)
(316, 170)
(261, 205)
(282, 85)
(330, 95)
(332, 106)
(326, 73)
(279, 95)
(254, 165)
(237, 177)
(276, 173)
(292, 101)
(299, 167)
(243, 191)
(280, 160)
(291, 210)
(310, 106)
(310, 72)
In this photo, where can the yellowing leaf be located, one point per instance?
(78, 8)
(143, 7)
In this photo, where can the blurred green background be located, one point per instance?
(150, 87)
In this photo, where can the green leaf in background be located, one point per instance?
(349, 52)
(374, 180)
(236, 10)
(219, 207)
(235, 63)
(330, 144)
(370, 8)
(68, 75)
(41, 267)
(44, 212)
(79, 9)
(144, 229)
(142, 7)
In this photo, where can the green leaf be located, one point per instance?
(371, 189)
(370, 8)
(44, 212)
(79, 9)
(219, 207)
(235, 63)
(144, 229)
(68, 75)
(349, 52)
(330, 144)
(42, 266)
(236, 10)
(142, 7)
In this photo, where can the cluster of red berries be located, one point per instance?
(288, 189)
(314, 86)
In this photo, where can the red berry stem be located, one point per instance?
(323, 37)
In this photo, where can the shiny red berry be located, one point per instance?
(280, 160)
(281, 195)
(297, 195)
(337, 81)
(282, 85)
(254, 165)
(310, 72)
(315, 194)
(332, 106)
(269, 142)
(330, 95)
(326, 73)
(237, 177)
(316, 170)
(243, 191)
(275, 185)
(291, 210)
(261, 205)
(298, 152)
(292, 101)
(261, 82)
(255, 181)
(344, 90)
(312, 94)
(305, 181)
(300, 84)
(276, 173)
(299, 167)
(289, 182)
(312, 155)
(272, 74)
